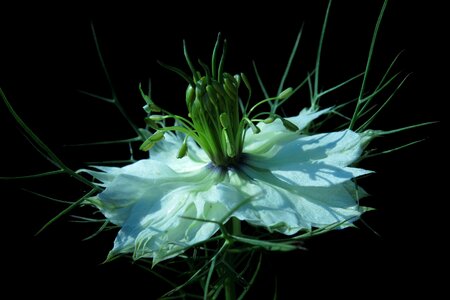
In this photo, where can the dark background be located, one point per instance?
(48, 53)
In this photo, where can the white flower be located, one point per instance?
(294, 182)
(229, 160)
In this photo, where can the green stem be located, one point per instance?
(236, 229)
(230, 291)
(229, 284)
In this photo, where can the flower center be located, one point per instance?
(217, 118)
(213, 106)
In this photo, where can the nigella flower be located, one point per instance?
(227, 161)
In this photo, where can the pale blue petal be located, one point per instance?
(275, 132)
(167, 149)
(317, 160)
(107, 175)
(306, 116)
(289, 209)
(149, 201)
(171, 236)
(160, 229)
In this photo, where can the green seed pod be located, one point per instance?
(190, 96)
(157, 136)
(157, 117)
(224, 121)
(183, 150)
(147, 145)
(152, 140)
(269, 120)
(286, 93)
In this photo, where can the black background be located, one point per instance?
(48, 53)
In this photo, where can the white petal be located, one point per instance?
(317, 160)
(107, 175)
(165, 237)
(149, 201)
(275, 132)
(130, 184)
(167, 149)
(289, 209)
(307, 115)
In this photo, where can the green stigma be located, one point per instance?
(217, 118)
(213, 103)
